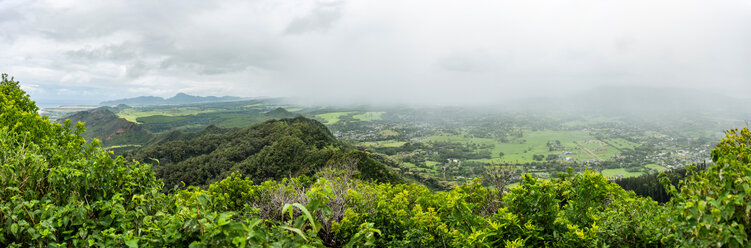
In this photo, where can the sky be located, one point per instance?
(385, 51)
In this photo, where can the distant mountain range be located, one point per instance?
(180, 98)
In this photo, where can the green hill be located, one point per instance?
(274, 149)
(101, 123)
(279, 113)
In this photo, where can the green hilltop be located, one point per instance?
(103, 124)
(271, 150)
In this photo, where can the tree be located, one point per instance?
(538, 157)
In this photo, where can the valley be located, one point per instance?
(447, 146)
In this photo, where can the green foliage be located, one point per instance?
(103, 124)
(735, 145)
(56, 190)
(712, 206)
(268, 151)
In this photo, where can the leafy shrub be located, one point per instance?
(712, 206)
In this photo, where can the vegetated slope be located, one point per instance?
(58, 191)
(649, 185)
(274, 149)
(105, 125)
(239, 118)
(180, 98)
(177, 135)
(429, 181)
(279, 113)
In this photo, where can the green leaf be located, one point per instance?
(295, 230)
(284, 209)
(133, 243)
(307, 215)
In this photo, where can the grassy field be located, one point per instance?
(122, 146)
(431, 163)
(389, 133)
(579, 144)
(621, 143)
(254, 106)
(655, 167)
(613, 172)
(132, 114)
(333, 117)
(293, 109)
(369, 116)
(383, 143)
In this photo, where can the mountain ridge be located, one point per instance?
(179, 98)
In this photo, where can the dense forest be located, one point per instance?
(58, 190)
(268, 151)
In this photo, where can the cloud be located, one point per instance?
(388, 51)
(323, 15)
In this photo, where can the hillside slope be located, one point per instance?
(274, 149)
(103, 124)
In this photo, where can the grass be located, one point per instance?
(389, 133)
(122, 146)
(622, 143)
(535, 142)
(132, 114)
(655, 167)
(254, 106)
(431, 163)
(613, 172)
(369, 116)
(383, 143)
(293, 109)
(333, 117)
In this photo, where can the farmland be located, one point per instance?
(425, 144)
(332, 118)
(132, 114)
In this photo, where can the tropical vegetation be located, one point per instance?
(58, 190)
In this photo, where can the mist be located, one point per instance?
(374, 52)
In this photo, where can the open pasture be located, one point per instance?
(609, 173)
(333, 117)
(575, 145)
(132, 114)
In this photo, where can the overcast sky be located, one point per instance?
(376, 51)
